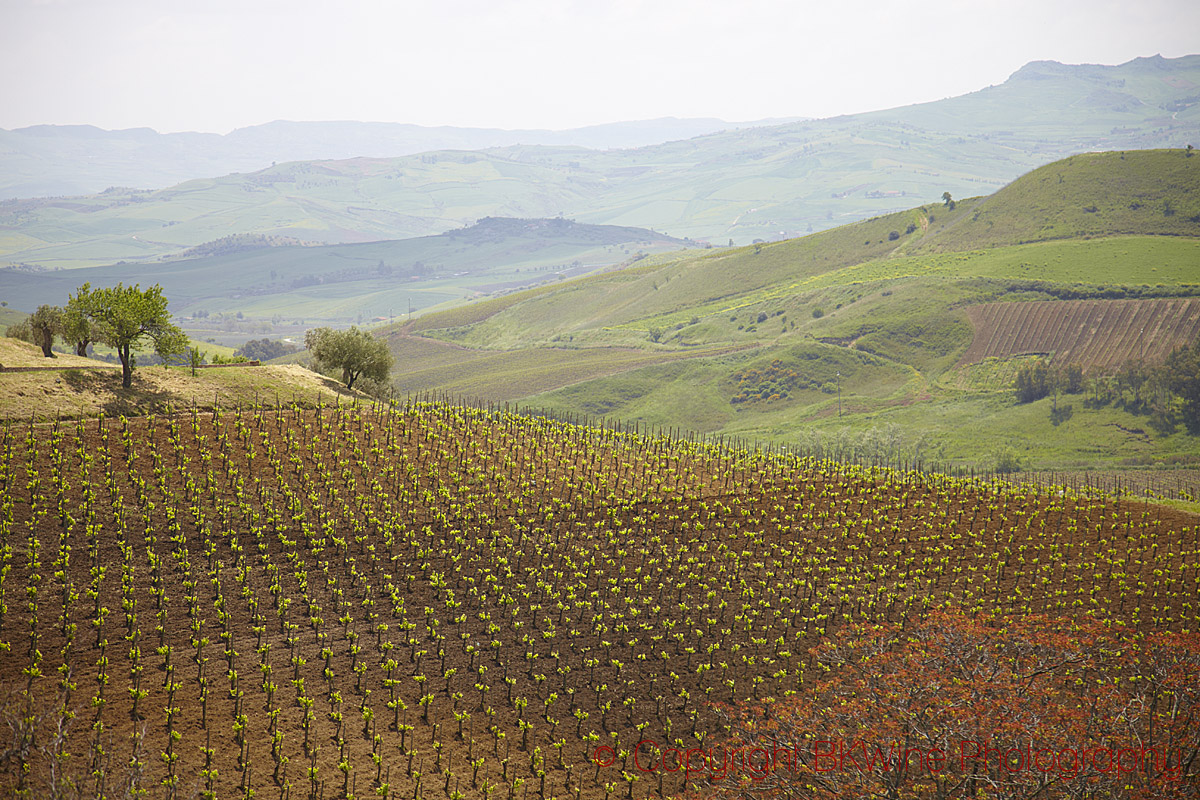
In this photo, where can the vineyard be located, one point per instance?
(441, 601)
(1100, 334)
(1176, 483)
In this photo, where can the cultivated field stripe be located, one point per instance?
(1092, 333)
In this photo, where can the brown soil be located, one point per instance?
(1095, 334)
(545, 588)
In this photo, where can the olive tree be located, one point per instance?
(356, 353)
(20, 330)
(44, 324)
(125, 317)
(77, 329)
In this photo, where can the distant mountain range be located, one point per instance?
(58, 160)
(765, 183)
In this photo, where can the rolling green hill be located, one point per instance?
(1093, 194)
(254, 278)
(10, 316)
(869, 317)
(993, 237)
(764, 183)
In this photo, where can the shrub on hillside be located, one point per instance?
(1032, 382)
(1007, 461)
(20, 330)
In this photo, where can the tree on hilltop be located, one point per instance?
(124, 317)
(356, 353)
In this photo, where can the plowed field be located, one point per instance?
(1096, 334)
(447, 602)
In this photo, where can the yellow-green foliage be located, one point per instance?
(768, 384)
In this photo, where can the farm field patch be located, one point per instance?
(1100, 334)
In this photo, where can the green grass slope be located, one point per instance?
(932, 241)
(1094, 194)
(850, 333)
(768, 183)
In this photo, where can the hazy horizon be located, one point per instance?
(534, 65)
(764, 121)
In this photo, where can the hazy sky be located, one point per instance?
(213, 65)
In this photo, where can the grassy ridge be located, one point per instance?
(1120, 261)
(1093, 194)
(667, 293)
(931, 240)
(81, 387)
(18, 353)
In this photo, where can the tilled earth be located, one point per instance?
(439, 601)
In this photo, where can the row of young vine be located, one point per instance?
(440, 601)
